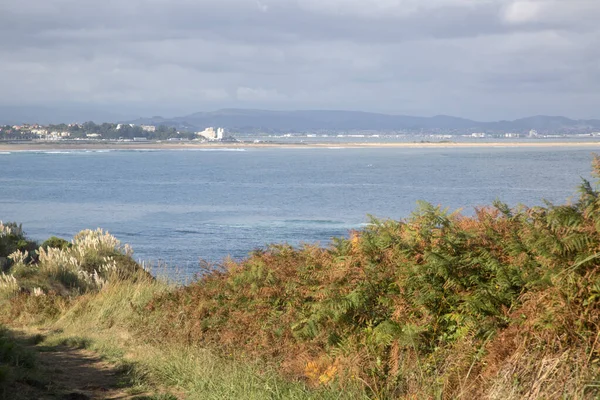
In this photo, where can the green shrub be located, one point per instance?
(56, 243)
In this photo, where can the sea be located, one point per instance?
(180, 208)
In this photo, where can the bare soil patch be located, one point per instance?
(69, 373)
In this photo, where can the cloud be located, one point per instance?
(258, 94)
(523, 12)
(214, 94)
(262, 6)
(404, 56)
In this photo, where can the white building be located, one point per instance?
(212, 134)
(208, 133)
(58, 135)
(148, 128)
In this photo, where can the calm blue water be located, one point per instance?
(181, 206)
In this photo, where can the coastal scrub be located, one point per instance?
(504, 304)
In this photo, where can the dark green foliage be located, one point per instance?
(110, 131)
(56, 243)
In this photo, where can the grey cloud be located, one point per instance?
(239, 20)
(425, 56)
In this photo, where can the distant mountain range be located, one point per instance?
(253, 121)
(239, 120)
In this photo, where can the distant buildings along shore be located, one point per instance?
(212, 134)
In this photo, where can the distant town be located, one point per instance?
(129, 132)
(90, 131)
(231, 125)
(532, 134)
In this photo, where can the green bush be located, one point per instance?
(56, 243)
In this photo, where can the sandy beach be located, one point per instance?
(49, 146)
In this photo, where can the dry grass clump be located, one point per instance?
(12, 239)
(8, 285)
(41, 284)
(87, 263)
(4, 230)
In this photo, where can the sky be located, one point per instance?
(480, 59)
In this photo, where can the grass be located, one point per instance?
(501, 305)
(18, 365)
(108, 322)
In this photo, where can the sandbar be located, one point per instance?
(108, 145)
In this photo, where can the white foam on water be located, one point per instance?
(223, 149)
(140, 150)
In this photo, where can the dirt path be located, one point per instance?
(67, 373)
(80, 374)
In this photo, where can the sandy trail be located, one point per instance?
(80, 374)
(70, 373)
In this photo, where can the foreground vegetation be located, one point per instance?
(90, 294)
(501, 305)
